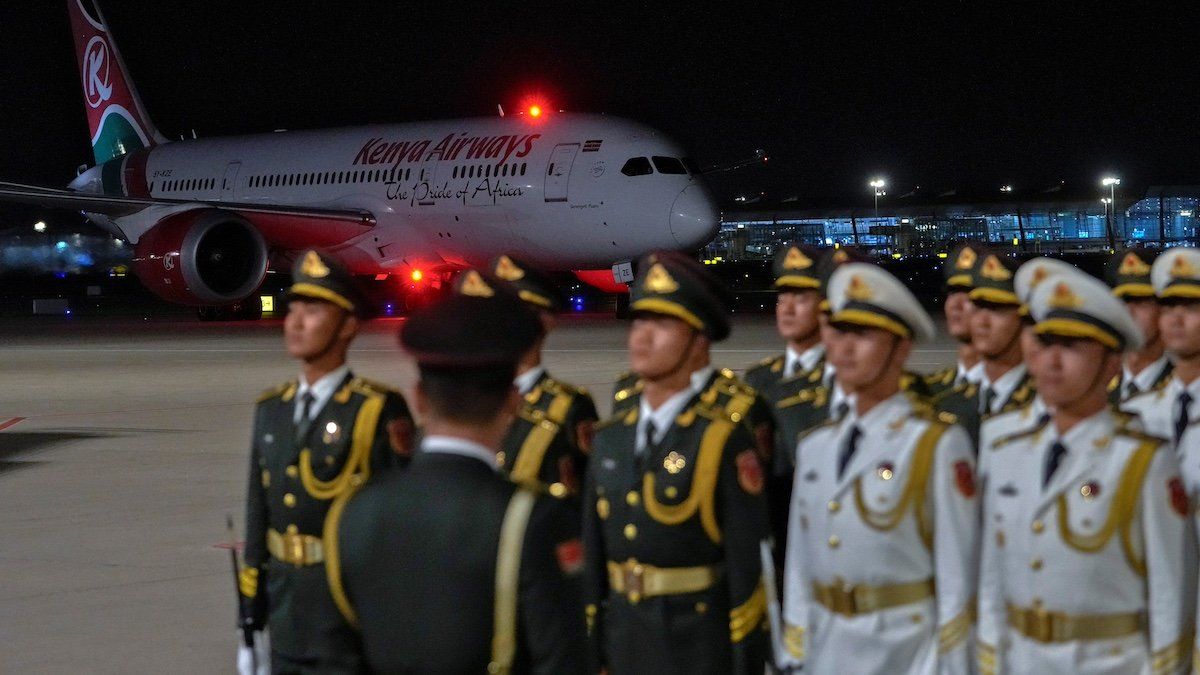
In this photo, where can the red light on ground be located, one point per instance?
(417, 275)
(535, 111)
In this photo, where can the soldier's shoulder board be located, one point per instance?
(557, 386)
(1017, 436)
(281, 391)
(1139, 436)
(815, 396)
(616, 417)
(371, 386)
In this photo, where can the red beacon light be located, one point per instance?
(535, 111)
(417, 275)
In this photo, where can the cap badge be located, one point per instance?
(658, 280)
(1182, 267)
(858, 289)
(1065, 298)
(993, 269)
(507, 270)
(966, 258)
(796, 260)
(473, 285)
(313, 267)
(1133, 266)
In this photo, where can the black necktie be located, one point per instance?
(848, 450)
(651, 432)
(1181, 422)
(986, 398)
(1132, 389)
(1052, 461)
(306, 410)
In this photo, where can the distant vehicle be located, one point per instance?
(209, 217)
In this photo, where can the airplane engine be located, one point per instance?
(202, 257)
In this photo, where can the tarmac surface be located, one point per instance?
(123, 445)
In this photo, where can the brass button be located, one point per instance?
(834, 506)
(631, 498)
(1038, 527)
(500, 458)
(701, 607)
(292, 529)
(328, 460)
(1035, 564)
(834, 541)
(630, 531)
(289, 500)
(671, 492)
(292, 471)
(558, 490)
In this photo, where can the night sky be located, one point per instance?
(963, 96)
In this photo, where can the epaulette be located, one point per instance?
(729, 383)
(278, 391)
(628, 391)
(1139, 435)
(373, 386)
(966, 390)
(558, 386)
(1024, 410)
(815, 395)
(943, 376)
(1158, 393)
(536, 416)
(923, 410)
(808, 432)
(617, 416)
(775, 363)
(1015, 436)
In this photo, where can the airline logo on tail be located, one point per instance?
(118, 122)
(97, 86)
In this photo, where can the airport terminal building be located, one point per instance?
(1052, 220)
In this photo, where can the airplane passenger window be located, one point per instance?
(691, 166)
(637, 166)
(669, 165)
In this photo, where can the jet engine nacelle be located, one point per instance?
(202, 257)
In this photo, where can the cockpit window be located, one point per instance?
(669, 165)
(691, 166)
(637, 166)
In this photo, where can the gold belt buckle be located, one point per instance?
(842, 598)
(634, 573)
(293, 544)
(1040, 624)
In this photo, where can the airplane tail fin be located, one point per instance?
(118, 121)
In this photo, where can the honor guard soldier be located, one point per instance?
(448, 567)
(957, 286)
(1029, 276)
(1148, 368)
(1167, 410)
(801, 367)
(674, 506)
(797, 312)
(996, 328)
(1085, 521)
(533, 452)
(314, 438)
(881, 555)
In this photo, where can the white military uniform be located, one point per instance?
(880, 566)
(1159, 409)
(1009, 423)
(1085, 573)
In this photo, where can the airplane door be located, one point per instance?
(558, 172)
(230, 180)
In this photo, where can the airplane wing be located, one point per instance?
(286, 226)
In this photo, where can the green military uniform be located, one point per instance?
(448, 566)
(549, 441)
(993, 284)
(296, 470)
(673, 525)
(957, 278)
(1128, 273)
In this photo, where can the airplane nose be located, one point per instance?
(694, 217)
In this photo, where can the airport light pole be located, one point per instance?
(878, 184)
(1110, 211)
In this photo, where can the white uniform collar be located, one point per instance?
(974, 374)
(884, 410)
(525, 381)
(1004, 386)
(803, 361)
(453, 445)
(322, 390)
(664, 416)
(1145, 379)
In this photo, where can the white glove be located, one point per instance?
(259, 656)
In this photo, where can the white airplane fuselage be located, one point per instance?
(457, 192)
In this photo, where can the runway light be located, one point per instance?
(417, 275)
(39, 226)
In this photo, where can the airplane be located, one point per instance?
(209, 217)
